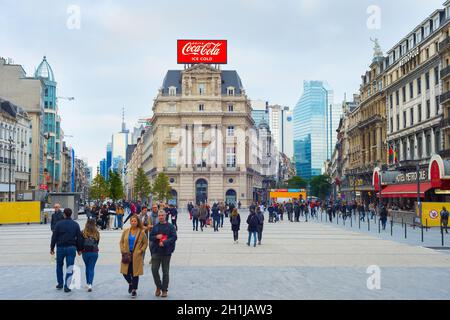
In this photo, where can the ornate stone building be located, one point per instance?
(204, 137)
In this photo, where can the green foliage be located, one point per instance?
(297, 183)
(161, 187)
(320, 186)
(115, 186)
(142, 186)
(99, 189)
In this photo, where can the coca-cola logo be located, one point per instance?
(204, 49)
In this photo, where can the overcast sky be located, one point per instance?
(122, 50)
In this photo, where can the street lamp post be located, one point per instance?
(10, 146)
(419, 204)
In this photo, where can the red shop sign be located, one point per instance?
(202, 51)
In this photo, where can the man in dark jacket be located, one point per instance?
(260, 216)
(215, 216)
(444, 219)
(383, 216)
(297, 211)
(162, 245)
(57, 216)
(252, 222)
(68, 240)
(174, 216)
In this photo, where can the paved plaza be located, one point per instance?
(313, 260)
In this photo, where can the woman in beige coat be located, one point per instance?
(133, 241)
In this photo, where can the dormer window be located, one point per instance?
(404, 47)
(172, 91)
(436, 23)
(419, 36)
(426, 30)
(230, 91)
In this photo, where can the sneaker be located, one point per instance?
(158, 292)
(259, 243)
(164, 294)
(248, 244)
(59, 286)
(90, 288)
(66, 289)
(133, 294)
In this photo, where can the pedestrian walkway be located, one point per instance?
(296, 261)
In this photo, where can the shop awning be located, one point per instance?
(405, 190)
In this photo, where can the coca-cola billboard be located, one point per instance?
(202, 51)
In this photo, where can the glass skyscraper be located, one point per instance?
(313, 129)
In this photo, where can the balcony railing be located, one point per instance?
(444, 44)
(445, 72)
(445, 123)
(445, 153)
(445, 97)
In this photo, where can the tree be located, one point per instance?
(99, 189)
(320, 186)
(142, 186)
(297, 183)
(161, 187)
(115, 186)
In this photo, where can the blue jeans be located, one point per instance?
(69, 254)
(90, 259)
(195, 224)
(119, 219)
(250, 234)
(216, 223)
(221, 220)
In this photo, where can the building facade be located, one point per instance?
(204, 137)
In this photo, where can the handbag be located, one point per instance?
(126, 256)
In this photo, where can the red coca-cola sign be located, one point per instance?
(202, 51)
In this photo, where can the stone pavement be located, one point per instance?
(296, 261)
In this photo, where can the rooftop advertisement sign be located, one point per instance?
(202, 51)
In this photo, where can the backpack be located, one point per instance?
(235, 221)
(90, 244)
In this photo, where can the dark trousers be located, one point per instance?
(260, 231)
(221, 220)
(134, 281)
(383, 223)
(235, 235)
(297, 216)
(157, 262)
(174, 222)
(202, 224)
(195, 224)
(216, 223)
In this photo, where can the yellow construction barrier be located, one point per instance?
(20, 212)
(431, 213)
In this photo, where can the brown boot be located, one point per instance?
(158, 292)
(164, 294)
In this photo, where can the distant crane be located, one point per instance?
(66, 98)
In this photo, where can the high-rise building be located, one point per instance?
(313, 129)
(281, 121)
(260, 112)
(108, 160)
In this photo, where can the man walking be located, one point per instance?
(57, 216)
(162, 239)
(68, 240)
(260, 216)
(215, 216)
(383, 216)
(444, 219)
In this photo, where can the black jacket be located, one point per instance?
(67, 233)
(57, 216)
(253, 222)
(168, 230)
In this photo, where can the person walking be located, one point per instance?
(203, 212)
(222, 210)
(68, 241)
(362, 213)
(215, 216)
(235, 220)
(260, 216)
(162, 245)
(252, 222)
(444, 219)
(383, 216)
(297, 211)
(133, 244)
(281, 210)
(190, 206)
(119, 216)
(174, 216)
(195, 215)
(154, 214)
(91, 239)
(271, 210)
(57, 216)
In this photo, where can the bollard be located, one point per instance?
(351, 221)
(392, 227)
(442, 235)
(359, 221)
(379, 226)
(406, 228)
(368, 223)
(421, 227)
(414, 223)
(402, 222)
(426, 222)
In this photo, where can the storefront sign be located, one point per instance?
(412, 176)
(202, 51)
(409, 56)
